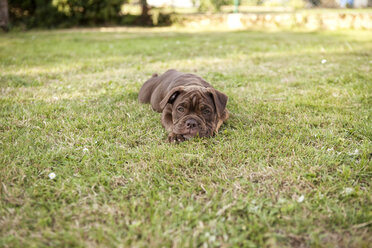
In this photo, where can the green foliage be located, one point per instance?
(90, 12)
(34, 13)
(64, 13)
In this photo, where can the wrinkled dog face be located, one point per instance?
(194, 114)
(193, 111)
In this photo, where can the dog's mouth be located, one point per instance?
(187, 136)
(192, 126)
(191, 134)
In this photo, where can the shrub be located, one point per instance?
(64, 13)
(90, 12)
(34, 13)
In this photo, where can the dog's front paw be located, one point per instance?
(175, 138)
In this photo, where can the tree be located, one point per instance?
(145, 8)
(4, 15)
(145, 17)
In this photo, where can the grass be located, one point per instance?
(299, 127)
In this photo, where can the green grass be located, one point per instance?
(298, 128)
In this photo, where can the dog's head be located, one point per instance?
(195, 110)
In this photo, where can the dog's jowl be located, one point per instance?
(189, 105)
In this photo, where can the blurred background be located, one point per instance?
(329, 14)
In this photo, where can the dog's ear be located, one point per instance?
(171, 96)
(220, 101)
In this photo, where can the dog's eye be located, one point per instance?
(206, 111)
(180, 109)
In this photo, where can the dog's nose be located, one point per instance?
(191, 123)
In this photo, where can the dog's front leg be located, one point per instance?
(175, 138)
(167, 122)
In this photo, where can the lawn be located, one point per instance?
(290, 168)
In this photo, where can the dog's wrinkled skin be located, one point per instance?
(189, 105)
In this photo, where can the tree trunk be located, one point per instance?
(145, 8)
(145, 17)
(4, 15)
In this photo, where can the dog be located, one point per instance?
(189, 105)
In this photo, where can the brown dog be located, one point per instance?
(189, 105)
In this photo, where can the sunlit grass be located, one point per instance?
(291, 167)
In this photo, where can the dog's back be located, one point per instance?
(154, 82)
(147, 88)
(154, 90)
